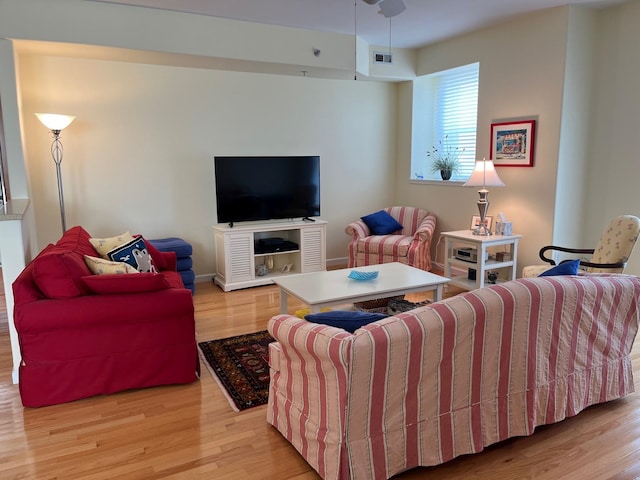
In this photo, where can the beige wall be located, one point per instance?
(139, 156)
(521, 76)
(575, 127)
(575, 72)
(162, 120)
(191, 38)
(172, 94)
(614, 173)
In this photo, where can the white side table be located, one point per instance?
(464, 239)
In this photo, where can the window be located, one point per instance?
(445, 106)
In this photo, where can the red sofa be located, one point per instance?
(82, 335)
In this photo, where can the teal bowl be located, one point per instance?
(355, 275)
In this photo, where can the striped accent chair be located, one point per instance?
(451, 378)
(411, 245)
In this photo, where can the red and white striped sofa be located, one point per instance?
(449, 379)
(411, 245)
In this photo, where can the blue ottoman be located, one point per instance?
(183, 255)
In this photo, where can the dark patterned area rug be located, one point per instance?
(240, 365)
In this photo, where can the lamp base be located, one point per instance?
(483, 207)
(482, 230)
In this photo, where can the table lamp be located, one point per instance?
(484, 175)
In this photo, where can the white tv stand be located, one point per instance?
(236, 259)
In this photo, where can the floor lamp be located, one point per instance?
(56, 123)
(484, 175)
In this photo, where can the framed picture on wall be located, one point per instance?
(512, 143)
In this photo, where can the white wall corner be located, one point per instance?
(362, 56)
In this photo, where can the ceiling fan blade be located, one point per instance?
(391, 8)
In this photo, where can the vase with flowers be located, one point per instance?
(445, 158)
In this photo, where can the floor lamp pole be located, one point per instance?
(56, 153)
(56, 123)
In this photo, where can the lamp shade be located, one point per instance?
(53, 121)
(484, 175)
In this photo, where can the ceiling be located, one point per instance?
(422, 23)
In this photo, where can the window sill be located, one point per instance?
(448, 183)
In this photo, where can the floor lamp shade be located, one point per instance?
(56, 123)
(53, 121)
(484, 175)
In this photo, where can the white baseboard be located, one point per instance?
(439, 266)
(338, 262)
(455, 271)
(333, 262)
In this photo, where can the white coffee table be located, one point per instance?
(334, 287)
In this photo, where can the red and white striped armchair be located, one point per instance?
(410, 245)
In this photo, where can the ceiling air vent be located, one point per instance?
(383, 57)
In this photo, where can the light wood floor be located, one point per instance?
(190, 432)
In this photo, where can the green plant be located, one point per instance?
(446, 157)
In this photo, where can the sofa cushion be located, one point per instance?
(161, 260)
(565, 268)
(174, 278)
(76, 240)
(381, 223)
(349, 320)
(173, 244)
(394, 245)
(57, 274)
(127, 283)
(183, 264)
(100, 266)
(58, 269)
(104, 245)
(135, 253)
(188, 276)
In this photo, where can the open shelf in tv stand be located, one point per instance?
(236, 259)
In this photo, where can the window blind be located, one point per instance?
(455, 112)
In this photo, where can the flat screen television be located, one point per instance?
(267, 188)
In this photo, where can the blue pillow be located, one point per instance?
(381, 223)
(565, 268)
(350, 320)
(134, 253)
